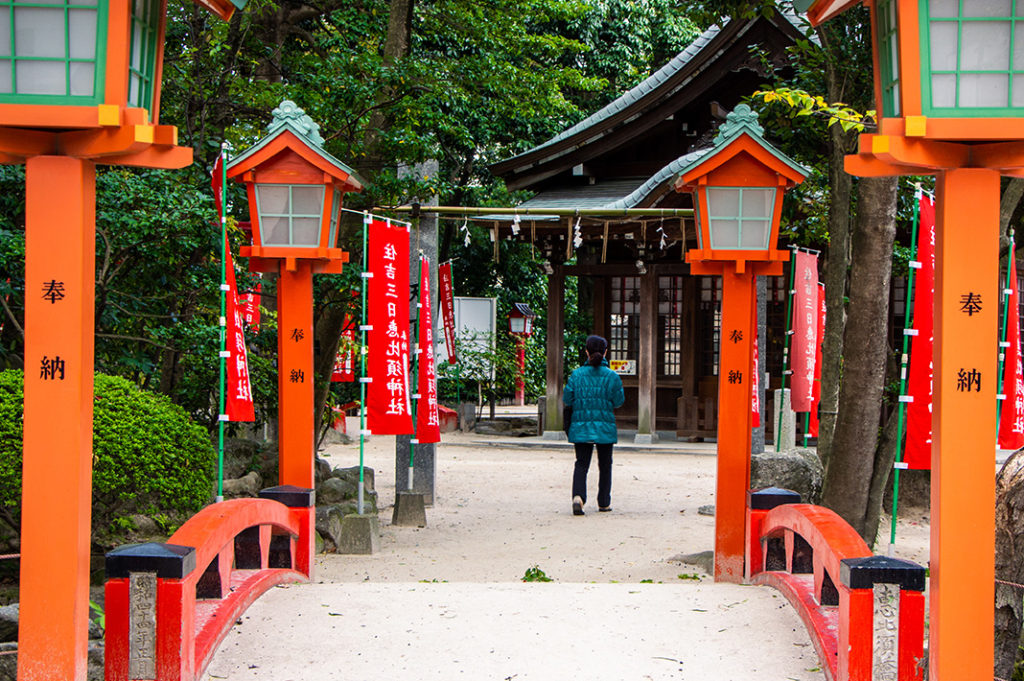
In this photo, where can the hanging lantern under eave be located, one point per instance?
(737, 188)
(79, 64)
(944, 69)
(295, 191)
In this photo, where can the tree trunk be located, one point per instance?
(881, 474)
(837, 263)
(852, 459)
(1009, 613)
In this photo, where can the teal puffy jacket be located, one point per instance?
(593, 393)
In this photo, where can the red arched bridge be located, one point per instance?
(168, 606)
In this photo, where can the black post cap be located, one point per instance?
(768, 498)
(864, 573)
(168, 561)
(290, 495)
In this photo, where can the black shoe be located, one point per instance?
(604, 509)
(577, 506)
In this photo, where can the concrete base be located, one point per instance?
(360, 534)
(555, 435)
(410, 511)
(785, 439)
(645, 438)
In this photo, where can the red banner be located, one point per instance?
(918, 449)
(805, 313)
(387, 396)
(755, 394)
(239, 405)
(1011, 415)
(251, 307)
(345, 361)
(446, 295)
(816, 391)
(428, 425)
(217, 183)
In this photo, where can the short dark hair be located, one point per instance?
(596, 347)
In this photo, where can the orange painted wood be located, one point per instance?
(289, 142)
(964, 426)
(166, 158)
(732, 480)
(115, 88)
(57, 471)
(907, 18)
(295, 375)
(116, 641)
(920, 152)
(754, 557)
(175, 628)
(856, 633)
(158, 73)
(830, 536)
(743, 163)
(911, 636)
(49, 116)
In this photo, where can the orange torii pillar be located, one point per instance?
(60, 249)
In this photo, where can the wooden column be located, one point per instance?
(732, 481)
(295, 375)
(964, 424)
(554, 374)
(647, 388)
(60, 256)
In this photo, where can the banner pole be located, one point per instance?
(415, 376)
(785, 347)
(221, 415)
(908, 320)
(362, 370)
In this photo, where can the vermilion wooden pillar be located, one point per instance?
(964, 424)
(60, 252)
(295, 374)
(733, 475)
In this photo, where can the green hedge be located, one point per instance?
(148, 456)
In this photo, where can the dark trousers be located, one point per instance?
(584, 450)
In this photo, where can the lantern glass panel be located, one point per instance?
(332, 238)
(740, 217)
(142, 65)
(974, 51)
(290, 215)
(517, 324)
(52, 53)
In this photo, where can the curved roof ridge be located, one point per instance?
(666, 173)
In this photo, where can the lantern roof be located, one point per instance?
(292, 130)
(223, 8)
(740, 133)
(823, 10)
(523, 310)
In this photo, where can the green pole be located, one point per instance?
(785, 347)
(1002, 337)
(908, 320)
(362, 370)
(221, 415)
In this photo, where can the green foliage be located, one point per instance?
(535, 574)
(148, 457)
(690, 575)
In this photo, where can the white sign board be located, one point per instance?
(475, 329)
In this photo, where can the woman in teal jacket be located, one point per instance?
(593, 392)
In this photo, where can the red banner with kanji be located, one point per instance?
(446, 295)
(1011, 415)
(428, 424)
(755, 380)
(345, 361)
(816, 391)
(388, 401)
(805, 325)
(238, 405)
(251, 307)
(917, 453)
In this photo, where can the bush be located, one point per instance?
(148, 456)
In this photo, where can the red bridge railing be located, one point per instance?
(865, 613)
(168, 606)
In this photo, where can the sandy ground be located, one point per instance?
(447, 601)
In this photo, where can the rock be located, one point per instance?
(705, 560)
(328, 526)
(144, 525)
(709, 509)
(248, 485)
(240, 456)
(321, 470)
(518, 426)
(335, 490)
(9, 622)
(799, 470)
(95, 671)
(8, 662)
(352, 475)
